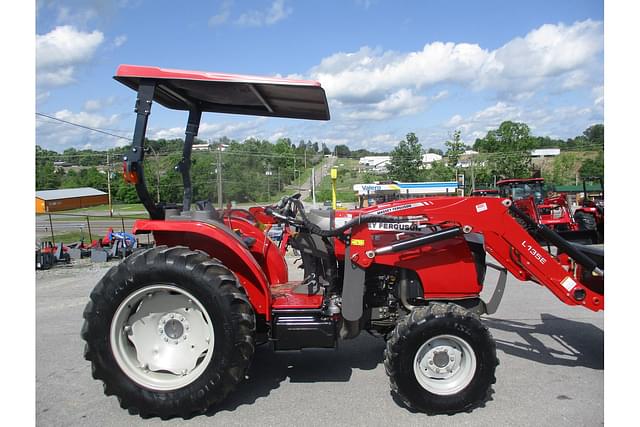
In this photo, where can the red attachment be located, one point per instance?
(504, 239)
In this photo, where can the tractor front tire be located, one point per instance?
(169, 331)
(441, 359)
(585, 221)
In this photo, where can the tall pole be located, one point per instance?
(313, 186)
(473, 176)
(334, 177)
(109, 184)
(219, 174)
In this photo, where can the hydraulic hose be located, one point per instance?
(362, 219)
(553, 237)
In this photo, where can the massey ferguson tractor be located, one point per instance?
(171, 330)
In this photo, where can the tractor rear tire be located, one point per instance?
(169, 331)
(585, 221)
(441, 359)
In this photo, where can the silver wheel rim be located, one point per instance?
(444, 365)
(162, 337)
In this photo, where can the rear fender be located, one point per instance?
(266, 252)
(219, 242)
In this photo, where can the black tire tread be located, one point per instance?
(213, 392)
(585, 221)
(407, 325)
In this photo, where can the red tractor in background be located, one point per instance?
(590, 213)
(532, 197)
(172, 330)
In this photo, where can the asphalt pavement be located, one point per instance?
(551, 370)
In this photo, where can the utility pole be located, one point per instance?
(313, 186)
(268, 174)
(109, 184)
(473, 175)
(219, 176)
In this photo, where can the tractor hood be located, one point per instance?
(230, 93)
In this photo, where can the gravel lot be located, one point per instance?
(551, 370)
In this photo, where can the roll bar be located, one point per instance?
(198, 92)
(133, 161)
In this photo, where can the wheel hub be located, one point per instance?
(173, 326)
(444, 364)
(165, 337)
(441, 361)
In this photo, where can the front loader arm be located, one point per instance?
(505, 240)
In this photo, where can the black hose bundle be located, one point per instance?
(362, 219)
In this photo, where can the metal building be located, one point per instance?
(69, 198)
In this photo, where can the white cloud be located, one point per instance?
(257, 18)
(399, 103)
(454, 121)
(558, 122)
(520, 65)
(598, 94)
(120, 40)
(235, 130)
(58, 136)
(61, 50)
(440, 95)
(92, 105)
(223, 15)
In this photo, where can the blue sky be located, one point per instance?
(388, 67)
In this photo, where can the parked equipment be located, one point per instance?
(172, 330)
(552, 210)
(590, 214)
(49, 254)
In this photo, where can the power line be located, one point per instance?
(83, 126)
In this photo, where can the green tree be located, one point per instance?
(509, 149)
(563, 171)
(342, 151)
(406, 160)
(593, 167)
(455, 148)
(595, 134)
(439, 171)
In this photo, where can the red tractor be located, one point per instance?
(172, 330)
(590, 214)
(532, 197)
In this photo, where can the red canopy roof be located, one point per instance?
(230, 93)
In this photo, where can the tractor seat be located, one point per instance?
(323, 219)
